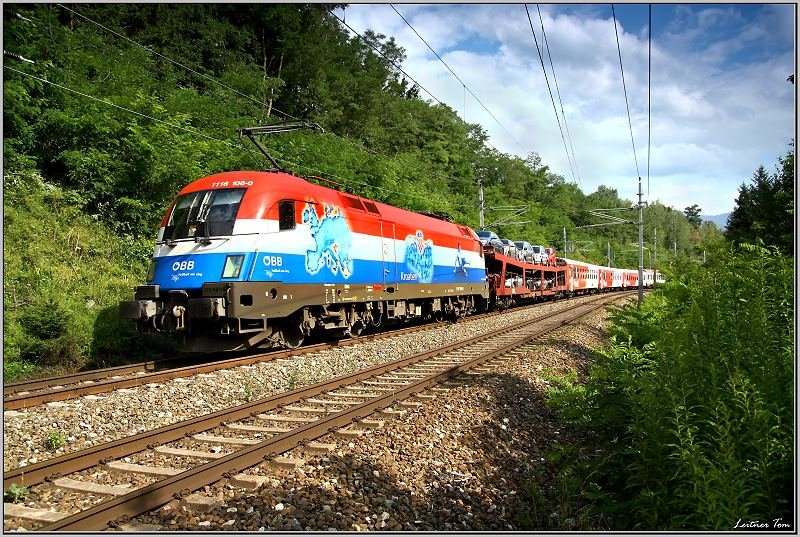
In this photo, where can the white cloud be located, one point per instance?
(721, 105)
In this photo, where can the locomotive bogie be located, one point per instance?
(250, 314)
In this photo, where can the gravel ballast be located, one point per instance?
(461, 462)
(92, 420)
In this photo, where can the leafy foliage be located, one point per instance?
(690, 412)
(63, 271)
(55, 441)
(693, 215)
(202, 71)
(15, 493)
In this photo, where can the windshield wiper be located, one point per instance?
(202, 237)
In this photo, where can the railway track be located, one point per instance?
(21, 395)
(255, 432)
(27, 394)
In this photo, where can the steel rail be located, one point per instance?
(119, 509)
(15, 402)
(109, 384)
(75, 378)
(80, 460)
(151, 365)
(106, 384)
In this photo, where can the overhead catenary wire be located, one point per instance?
(624, 90)
(376, 49)
(466, 88)
(649, 61)
(552, 100)
(397, 66)
(558, 94)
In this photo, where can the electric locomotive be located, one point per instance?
(249, 259)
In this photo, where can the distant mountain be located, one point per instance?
(719, 219)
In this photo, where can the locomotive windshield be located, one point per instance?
(214, 210)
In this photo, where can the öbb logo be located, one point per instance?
(183, 265)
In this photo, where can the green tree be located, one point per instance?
(765, 208)
(693, 215)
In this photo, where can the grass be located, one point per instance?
(55, 441)
(252, 389)
(293, 379)
(64, 274)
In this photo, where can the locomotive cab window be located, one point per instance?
(207, 213)
(286, 215)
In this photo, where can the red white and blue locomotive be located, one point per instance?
(247, 259)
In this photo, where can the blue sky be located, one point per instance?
(721, 105)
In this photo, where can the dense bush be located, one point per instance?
(690, 413)
(62, 270)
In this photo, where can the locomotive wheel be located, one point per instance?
(356, 329)
(292, 336)
(355, 323)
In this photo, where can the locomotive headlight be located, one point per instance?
(151, 271)
(233, 266)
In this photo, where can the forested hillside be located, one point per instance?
(123, 104)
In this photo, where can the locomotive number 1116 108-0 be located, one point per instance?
(223, 184)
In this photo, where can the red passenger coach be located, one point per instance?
(581, 277)
(606, 281)
(630, 278)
